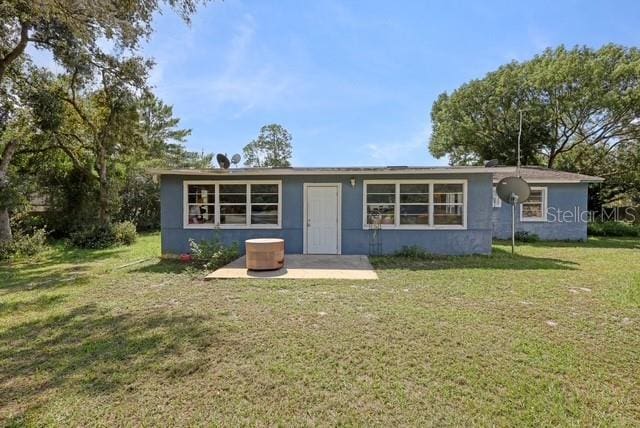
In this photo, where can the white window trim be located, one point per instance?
(495, 199)
(545, 193)
(430, 226)
(216, 224)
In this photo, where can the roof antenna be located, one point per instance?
(519, 136)
(514, 190)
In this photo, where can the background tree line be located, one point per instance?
(84, 136)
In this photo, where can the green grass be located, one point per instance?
(550, 337)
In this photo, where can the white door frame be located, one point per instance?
(338, 187)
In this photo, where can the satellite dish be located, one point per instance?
(491, 163)
(223, 161)
(235, 159)
(513, 190)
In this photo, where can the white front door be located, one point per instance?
(322, 222)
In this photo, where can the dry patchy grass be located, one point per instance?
(550, 337)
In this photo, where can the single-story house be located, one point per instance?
(445, 210)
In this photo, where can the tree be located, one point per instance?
(164, 139)
(479, 121)
(99, 122)
(74, 32)
(272, 148)
(16, 126)
(71, 182)
(620, 168)
(159, 127)
(571, 98)
(139, 194)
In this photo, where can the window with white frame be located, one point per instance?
(232, 204)
(264, 203)
(497, 202)
(535, 208)
(201, 204)
(381, 203)
(448, 204)
(414, 204)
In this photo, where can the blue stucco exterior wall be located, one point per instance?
(475, 239)
(566, 215)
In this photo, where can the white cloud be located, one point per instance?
(410, 151)
(245, 78)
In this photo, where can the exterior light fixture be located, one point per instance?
(353, 181)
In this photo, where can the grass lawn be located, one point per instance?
(551, 337)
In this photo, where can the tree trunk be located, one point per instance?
(9, 150)
(5, 226)
(7, 155)
(104, 215)
(552, 159)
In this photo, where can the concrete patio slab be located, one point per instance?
(307, 266)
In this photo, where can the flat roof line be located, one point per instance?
(532, 174)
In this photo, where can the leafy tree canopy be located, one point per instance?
(95, 44)
(272, 148)
(571, 98)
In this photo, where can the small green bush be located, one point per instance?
(595, 229)
(213, 254)
(100, 236)
(613, 228)
(523, 236)
(125, 233)
(28, 223)
(24, 244)
(7, 250)
(94, 237)
(33, 244)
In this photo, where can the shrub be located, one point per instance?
(595, 229)
(213, 254)
(33, 244)
(125, 233)
(28, 223)
(23, 244)
(100, 236)
(522, 236)
(613, 228)
(140, 200)
(93, 237)
(7, 250)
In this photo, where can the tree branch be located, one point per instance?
(36, 151)
(7, 155)
(17, 50)
(74, 103)
(74, 159)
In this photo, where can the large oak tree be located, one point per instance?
(571, 98)
(75, 32)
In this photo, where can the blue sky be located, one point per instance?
(353, 81)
